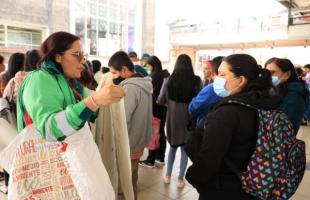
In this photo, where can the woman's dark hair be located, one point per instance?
(155, 63)
(57, 43)
(15, 64)
(105, 70)
(96, 66)
(1, 59)
(299, 72)
(183, 85)
(31, 60)
(259, 80)
(285, 65)
(157, 74)
(216, 62)
(87, 79)
(120, 59)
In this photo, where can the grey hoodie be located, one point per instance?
(138, 108)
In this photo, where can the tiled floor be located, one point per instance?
(152, 187)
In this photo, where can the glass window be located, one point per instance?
(104, 2)
(36, 39)
(103, 11)
(92, 35)
(93, 19)
(93, 7)
(113, 28)
(19, 37)
(2, 36)
(102, 28)
(23, 38)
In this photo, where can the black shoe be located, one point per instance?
(146, 164)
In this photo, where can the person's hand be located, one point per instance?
(108, 94)
(104, 96)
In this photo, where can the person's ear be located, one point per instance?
(58, 58)
(243, 81)
(286, 75)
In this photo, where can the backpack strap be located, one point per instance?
(242, 104)
(228, 162)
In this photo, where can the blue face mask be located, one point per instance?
(219, 87)
(275, 80)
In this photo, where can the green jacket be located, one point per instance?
(50, 103)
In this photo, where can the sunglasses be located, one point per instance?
(81, 56)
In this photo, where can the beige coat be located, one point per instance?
(111, 136)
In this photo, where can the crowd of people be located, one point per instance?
(59, 91)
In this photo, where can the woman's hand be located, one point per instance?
(104, 96)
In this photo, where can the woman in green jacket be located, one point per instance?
(52, 99)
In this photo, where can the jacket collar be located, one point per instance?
(50, 66)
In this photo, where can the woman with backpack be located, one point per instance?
(293, 90)
(176, 93)
(229, 132)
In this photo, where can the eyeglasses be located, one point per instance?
(81, 56)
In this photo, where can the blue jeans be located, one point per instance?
(183, 162)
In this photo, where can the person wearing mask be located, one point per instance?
(16, 64)
(143, 61)
(199, 106)
(2, 66)
(290, 88)
(138, 69)
(208, 72)
(176, 93)
(223, 136)
(157, 75)
(138, 107)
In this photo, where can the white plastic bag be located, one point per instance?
(41, 171)
(7, 133)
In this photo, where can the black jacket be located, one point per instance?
(159, 111)
(229, 132)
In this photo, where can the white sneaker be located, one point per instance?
(160, 162)
(181, 183)
(167, 179)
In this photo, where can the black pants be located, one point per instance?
(159, 153)
(6, 178)
(226, 187)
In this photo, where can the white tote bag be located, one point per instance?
(69, 170)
